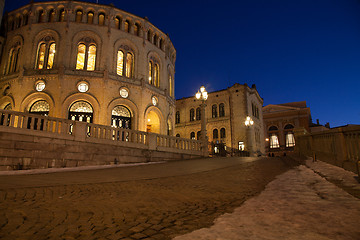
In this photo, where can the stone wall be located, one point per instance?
(30, 141)
(337, 146)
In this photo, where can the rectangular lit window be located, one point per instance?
(91, 58)
(120, 63)
(51, 56)
(80, 60)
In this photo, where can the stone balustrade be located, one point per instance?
(339, 146)
(114, 144)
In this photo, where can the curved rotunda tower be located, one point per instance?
(88, 62)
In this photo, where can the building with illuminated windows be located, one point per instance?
(226, 113)
(88, 62)
(279, 123)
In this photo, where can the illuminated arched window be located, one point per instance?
(125, 63)
(52, 15)
(81, 111)
(117, 22)
(121, 117)
(274, 141)
(215, 134)
(78, 17)
(91, 58)
(62, 15)
(127, 26)
(90, 17)
(101, 19)
(41, 16)
(171, 86)
(214, 111)
(221, 110)
(8, 107)
(222, 133)
(154, 72)
(198, 114)
(192, 135)
(12, 63)
(192, 115)
(40, 107)
(289, 136)
(151, 72)
(86, 56)
(177, 117)
(46, 53)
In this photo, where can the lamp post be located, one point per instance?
(202, 96)
(248, 123)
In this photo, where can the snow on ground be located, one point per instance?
(298, 205)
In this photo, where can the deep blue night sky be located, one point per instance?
(293, 50)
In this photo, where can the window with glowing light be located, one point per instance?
(83, 87)
(52, 15)
(86, 55)
(90, 17)
(62, 15)
(154, 72)
(241, 146)
(46, 53)
(192, 135)
(125, 65)
(101, 19)
(121, 117)
(124, 93)
(81, 111)
(40, 86)
(127, 26)
(117, 22)
(78, 17)
(274, 141)
(40, 107)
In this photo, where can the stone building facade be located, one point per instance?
(280, 120)
(88, 62)
(226, 112)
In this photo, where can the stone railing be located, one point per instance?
(338, 146)
(38, 125)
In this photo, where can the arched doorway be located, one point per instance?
(40, 107)
(121, 117)
(81, 111)
(153, 122)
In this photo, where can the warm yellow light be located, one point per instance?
(205, 95)
(202, 89)
(267, 139)
(198, 95)
(249, 121)
(148, 119)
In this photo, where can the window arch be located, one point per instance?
(198, 135)
(90, 17)
(117, 22)
(61, 15)
(274, 141)
(214, 111)
(178, 135)
(127, 26)
(121, 117)
(192, 115)
(161, 46)
(154, 72)
(101, 19)
(149, 34)
(137, 29)
(46, 53)
(12, 63)
(156, 38)
(86, 55)
(125, 62)
(215, 134)
(192, 135)
(222, 133)
(41, 107)
(288, 126)
(177, 117)
(221, 110)
(198, 113)
(52, 15)
(273, 128)
(79, 15)
(25, 19)
(41, 16)
(289, 135)
(81, 111)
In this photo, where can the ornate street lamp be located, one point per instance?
(202, 96)
(248, 123)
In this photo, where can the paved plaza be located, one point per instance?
(223, 197)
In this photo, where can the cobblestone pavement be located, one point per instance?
(172, 199)
(299, 205)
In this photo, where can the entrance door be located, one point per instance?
(121, 117)
(81, 111)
